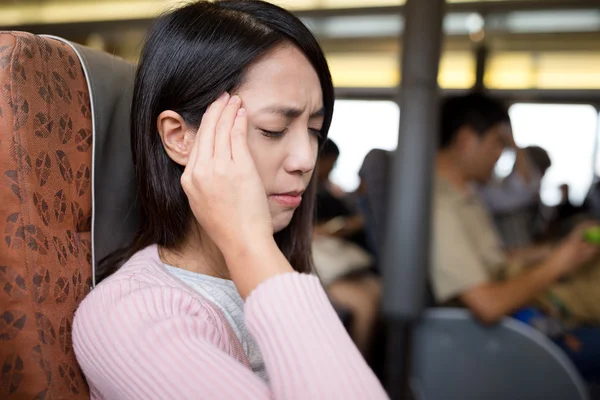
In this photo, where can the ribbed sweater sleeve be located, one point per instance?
(138, 341)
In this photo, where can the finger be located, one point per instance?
(239, 138)
(206, 133)
(224, 126)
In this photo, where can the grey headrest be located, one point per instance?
(114, 212)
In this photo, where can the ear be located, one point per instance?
(177, 138)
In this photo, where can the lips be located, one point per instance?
(289, 199)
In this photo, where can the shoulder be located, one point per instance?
(142, 314)
(142, 275)
(445, 216)
(444, 193)
(143, 292)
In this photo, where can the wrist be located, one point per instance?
(240, 249)
(253, 262)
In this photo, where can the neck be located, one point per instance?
(449, 168)
(198, 253)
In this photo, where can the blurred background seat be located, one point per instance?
(455, 357)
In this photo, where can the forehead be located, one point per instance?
(284, 75)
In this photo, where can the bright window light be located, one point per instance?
(597, 168)
(568, 133)
(359, 126)
(457, 69)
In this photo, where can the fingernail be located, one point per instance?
(224, 96)
(241, 112)
(234, 99)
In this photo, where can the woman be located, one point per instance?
(231, 102)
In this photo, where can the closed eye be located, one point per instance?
(273, 134)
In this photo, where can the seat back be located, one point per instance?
(45, 215)
(455, 357)
(375, 173)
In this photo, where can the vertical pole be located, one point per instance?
(406, 247)
(481, 55)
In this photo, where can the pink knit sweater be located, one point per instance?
(143, 334)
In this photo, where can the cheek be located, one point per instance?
(492, 155)
(499, 152)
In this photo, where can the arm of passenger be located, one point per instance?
(458, 273)
(492, 301)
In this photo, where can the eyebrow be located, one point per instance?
(292, 112)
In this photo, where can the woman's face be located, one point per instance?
(284, 103)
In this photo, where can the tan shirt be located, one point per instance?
(467, 251)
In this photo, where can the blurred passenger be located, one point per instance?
(565, 215)
(565, 209)
(373, 195)
(340, 256)
(335, 215)
(214, 298)
(470, 267)
(514, 202)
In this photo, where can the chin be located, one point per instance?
(482, 181)
(282, 220)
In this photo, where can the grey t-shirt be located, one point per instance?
(224, 294)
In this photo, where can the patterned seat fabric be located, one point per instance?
(45, 214)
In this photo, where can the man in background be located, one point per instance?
(470, 266)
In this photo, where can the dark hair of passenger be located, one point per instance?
(539, 157)
(330, 149)
(191, 56)
(476, 111)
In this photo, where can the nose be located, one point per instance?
(498, 154)
(302, 153)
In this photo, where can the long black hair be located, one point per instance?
(191, 56)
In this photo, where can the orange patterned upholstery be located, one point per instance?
(45, 214)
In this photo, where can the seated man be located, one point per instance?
(469, 265)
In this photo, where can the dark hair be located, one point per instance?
(330, 149)
(192, 55)
(476, 111)
(539, 157)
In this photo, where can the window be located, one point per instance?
(597, 157)
(358, 127)
(568, 133)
